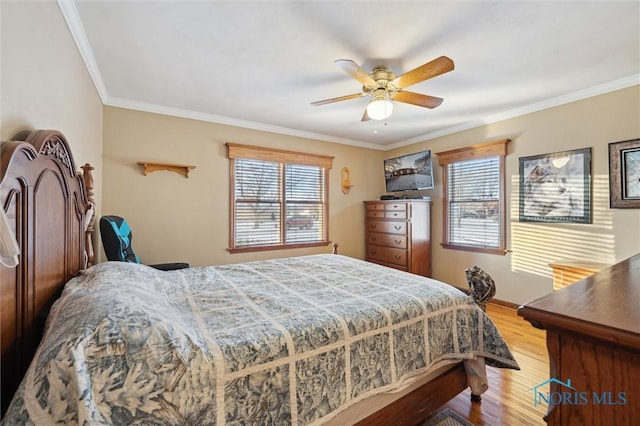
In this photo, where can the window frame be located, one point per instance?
(475, 152)
(282, 157)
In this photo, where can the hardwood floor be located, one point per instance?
(509, 400)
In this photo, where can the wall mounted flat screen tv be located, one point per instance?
(410, 172)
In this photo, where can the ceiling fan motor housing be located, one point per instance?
(382, 76)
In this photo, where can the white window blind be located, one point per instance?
(474, 197)
(258, 198)
(304, 203)
(474, 203)
(279, 198)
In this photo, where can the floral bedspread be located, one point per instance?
(277, 342)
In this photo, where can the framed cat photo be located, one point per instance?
(624, 174)
(556, 187)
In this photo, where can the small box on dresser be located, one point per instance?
(398, 234)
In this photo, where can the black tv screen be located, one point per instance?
(409, 172)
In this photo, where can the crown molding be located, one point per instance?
(70, 14)
(230, 121)
(612, 86)
(602, 89)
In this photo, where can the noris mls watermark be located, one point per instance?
(566, 394)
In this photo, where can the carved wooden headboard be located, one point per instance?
(50, 208)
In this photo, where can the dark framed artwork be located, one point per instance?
(556, 187)
(624, 174)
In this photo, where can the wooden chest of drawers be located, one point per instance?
(398, 234)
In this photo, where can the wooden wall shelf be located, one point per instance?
(181, 169)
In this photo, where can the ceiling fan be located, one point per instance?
(384, 86)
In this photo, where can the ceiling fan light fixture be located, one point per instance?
(380, 107)
(383, 85)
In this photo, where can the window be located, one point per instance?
(279, 199)
(474, 200)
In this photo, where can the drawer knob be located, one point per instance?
(397, 256)
(372, 238)
(398, 241)
(373, 252)
(397, 227)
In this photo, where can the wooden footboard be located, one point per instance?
(418, 404)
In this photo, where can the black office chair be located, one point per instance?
(116, 240)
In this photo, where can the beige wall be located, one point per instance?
(44, 83)
(174, 218)
(614, 234)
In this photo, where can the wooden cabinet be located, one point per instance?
(568, 271)
(398, 234)
(593, 338)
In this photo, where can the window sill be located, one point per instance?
(249, 249)
(498, 251)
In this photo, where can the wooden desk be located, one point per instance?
(568, 271)
(593, 338)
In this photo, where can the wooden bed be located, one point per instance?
(49, 202)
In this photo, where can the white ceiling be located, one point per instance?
(259, 64)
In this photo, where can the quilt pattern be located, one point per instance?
(278, 342)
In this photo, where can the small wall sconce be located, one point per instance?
(345, 178)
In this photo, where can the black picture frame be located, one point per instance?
(624, 174)
(556, 187)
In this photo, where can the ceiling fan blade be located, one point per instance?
(429, 70)
(355, 71)
(418, 99)
(365, 116)
(341, 98)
